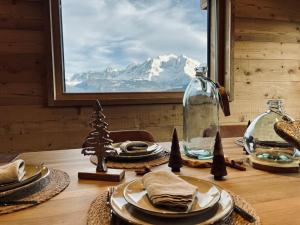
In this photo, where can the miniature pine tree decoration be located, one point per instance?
(98, 142)
(218, 168)
(175, 161)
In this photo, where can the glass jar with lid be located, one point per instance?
(260, 134)
(201, 115)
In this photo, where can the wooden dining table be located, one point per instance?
(276, 197)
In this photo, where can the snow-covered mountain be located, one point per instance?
(162, 73)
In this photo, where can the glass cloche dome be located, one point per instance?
(261, 134)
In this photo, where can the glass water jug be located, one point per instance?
(200, 116)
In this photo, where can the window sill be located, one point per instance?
(145, 98)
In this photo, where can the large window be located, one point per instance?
(132, 45)
(125, 51)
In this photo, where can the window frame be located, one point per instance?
(55, 71)
(221, 42)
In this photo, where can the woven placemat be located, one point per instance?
(98, 213)
(164, 158)
(44, 190)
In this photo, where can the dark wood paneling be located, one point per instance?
(276, 10)
(21, 14)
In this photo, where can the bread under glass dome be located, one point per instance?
(261, 139)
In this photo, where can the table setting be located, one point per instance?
(152, 196)
(123, 150)
(23, 185)
(160, 197)
(154, 155)
(164, 198)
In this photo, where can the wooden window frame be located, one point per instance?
(55, 71)
(221, 42)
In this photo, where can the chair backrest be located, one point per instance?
(233, 131)
(131, 135)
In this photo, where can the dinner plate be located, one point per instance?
(154, 150)
(44, 173)
(207, 196)
(130, 214)
(32, 172)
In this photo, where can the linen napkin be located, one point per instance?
(165, 189)
(134, 148)
(12, 172)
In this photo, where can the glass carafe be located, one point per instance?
(261, 133)
(200, 116)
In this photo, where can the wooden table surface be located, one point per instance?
(276, 197)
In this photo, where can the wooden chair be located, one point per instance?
(233, 131)
(131, 135)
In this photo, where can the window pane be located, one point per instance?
(132, 45)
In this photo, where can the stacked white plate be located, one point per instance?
(132, 204)
(153, 151)
(33, 175)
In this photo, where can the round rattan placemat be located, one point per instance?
(44, 190)
(135, 165)
(98, 213)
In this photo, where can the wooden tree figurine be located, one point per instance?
(218, 168)
(175, 161)
(98, 143)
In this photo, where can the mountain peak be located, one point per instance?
(163, 72)
(172, 64)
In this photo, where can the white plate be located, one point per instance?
(32, 172)
(129, 213)
(153, 151)
(207, 196)
(44, 173)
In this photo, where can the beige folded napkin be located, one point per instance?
(165, 189)
(12, 172)
(134, 146)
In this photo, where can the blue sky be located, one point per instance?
(102, 33)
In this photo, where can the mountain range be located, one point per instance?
(161, 73)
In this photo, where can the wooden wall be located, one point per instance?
(267, 57)
(266, 66)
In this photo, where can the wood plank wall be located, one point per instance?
(266, 66)
(267, 57)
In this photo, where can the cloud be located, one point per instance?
(101, 33)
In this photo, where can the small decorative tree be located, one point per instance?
(175, 160)
(98, 142)
(218, 168)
